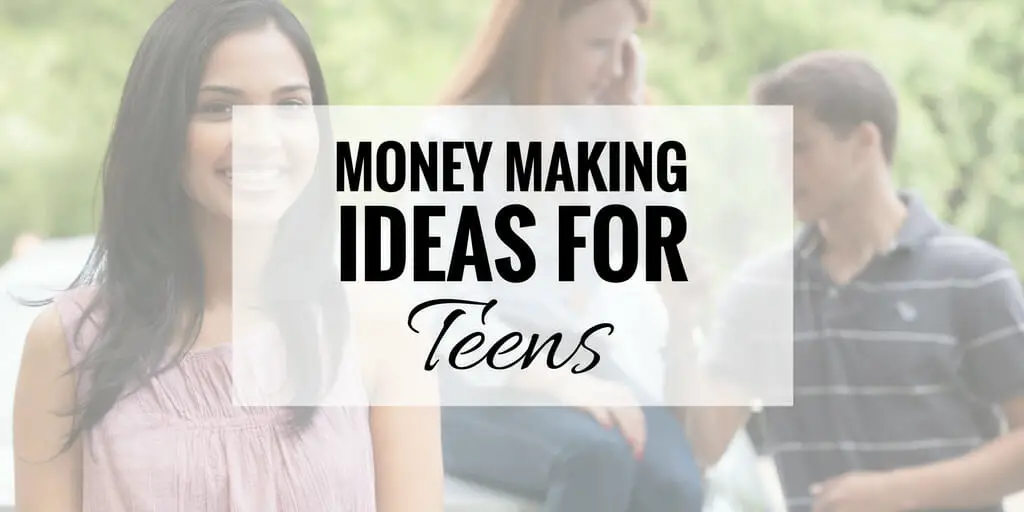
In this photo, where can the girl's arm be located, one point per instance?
(404, 403)
(407, 454)
(45, 479)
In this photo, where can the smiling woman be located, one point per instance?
(124, 398)
(217, 101)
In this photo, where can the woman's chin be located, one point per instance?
(256, 213)
(261, 207)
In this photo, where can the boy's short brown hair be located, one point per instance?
(842, 89)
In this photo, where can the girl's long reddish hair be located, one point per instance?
(512, 50)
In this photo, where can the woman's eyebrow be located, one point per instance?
(292, 88)
(234, 91)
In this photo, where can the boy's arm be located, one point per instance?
(982, 477)
(990, 319)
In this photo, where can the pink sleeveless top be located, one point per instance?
(179, 445)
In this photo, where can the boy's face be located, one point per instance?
(827, 167)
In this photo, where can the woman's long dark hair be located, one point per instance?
(146, 266)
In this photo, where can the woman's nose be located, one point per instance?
(257, 135)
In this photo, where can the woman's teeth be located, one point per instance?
(254, 179)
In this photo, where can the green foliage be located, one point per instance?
(958, 67)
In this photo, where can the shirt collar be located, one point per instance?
(919, 226)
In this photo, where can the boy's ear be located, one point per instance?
(866, 140)
(861, 140)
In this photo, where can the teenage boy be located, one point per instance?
(908, 353)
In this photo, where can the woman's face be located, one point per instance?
(257, 174)
(590, 53)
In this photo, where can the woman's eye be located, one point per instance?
(601, 43)
(294, 107)
(215, 108)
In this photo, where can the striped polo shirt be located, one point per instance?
(904, 365)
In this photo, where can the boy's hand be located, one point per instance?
(859, 492)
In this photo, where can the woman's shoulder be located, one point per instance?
(75, 299)
(45, 338)
(49, 345)
(67, 313)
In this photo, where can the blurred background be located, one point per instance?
(958, 67)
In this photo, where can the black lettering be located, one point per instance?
(531, 354)
(672, 177)
(503, 228)
(507, 344)
(423, 242)
(478, 163)
(431, 362)
(568, 241)
(451, 164)
(459, 347)
(614, 167)
(496, 350)
(374, 259)
(590, 166)
(602, 243)
(560, 170)
(640, 165)
(348, 243)
(519, 175)
(424, 166)
(353, 172)
(669, 243)
(469, 233)
(583, 344)
(398, 166)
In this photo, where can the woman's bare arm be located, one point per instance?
(45, 479)
(407, 453)
(405, 418)
(405, 422)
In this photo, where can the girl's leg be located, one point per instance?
(555, 455)
(668, 478)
